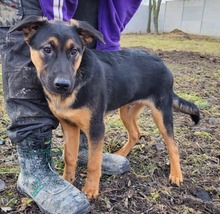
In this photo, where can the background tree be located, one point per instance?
(149, 16)
(156, 10)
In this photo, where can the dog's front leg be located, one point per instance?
(91, 187)
(71, 134)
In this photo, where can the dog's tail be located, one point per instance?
(186, 107)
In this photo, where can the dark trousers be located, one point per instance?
(23, 94)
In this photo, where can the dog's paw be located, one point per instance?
(70, 177)
(176, 178)
(91, 190)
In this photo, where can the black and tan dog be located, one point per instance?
(81, 85)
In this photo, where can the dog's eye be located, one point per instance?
(47, 50)
(73, 51)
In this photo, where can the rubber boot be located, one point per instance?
(39, 181)
(111, 164)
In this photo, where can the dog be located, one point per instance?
(81, 85)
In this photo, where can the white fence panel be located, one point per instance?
(191, 16)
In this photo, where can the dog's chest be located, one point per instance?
(62, 109)
(80, 117)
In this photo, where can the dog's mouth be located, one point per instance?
(59, 86)
(59, 92)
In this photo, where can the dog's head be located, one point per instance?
(56, 49)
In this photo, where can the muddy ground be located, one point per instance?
(146, 189)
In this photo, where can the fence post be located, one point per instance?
(182, 14)
(164, 17)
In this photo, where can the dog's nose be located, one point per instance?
(62, 84)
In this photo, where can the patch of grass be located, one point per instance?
(12, 202)
(166, 42)
(57, 155)
(113, 122)
(153, 197)
(204, 134)
(153, 130)
(9, 170)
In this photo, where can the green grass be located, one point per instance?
(115, 123)
(9, 170)
(167, 42)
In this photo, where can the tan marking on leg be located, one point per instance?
(81, 118)
(175, 170)
(71, 136)
(129, 114)
(91, 187)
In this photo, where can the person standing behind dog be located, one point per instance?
(31, 120)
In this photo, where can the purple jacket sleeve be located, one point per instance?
(113, 17)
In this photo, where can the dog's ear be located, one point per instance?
(86, 31)
(29, 26)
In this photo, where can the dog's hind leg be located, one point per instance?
(71, 134)
(163, 118)
(129, 114)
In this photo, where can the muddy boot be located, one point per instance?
(39, 181)
(111, 164)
